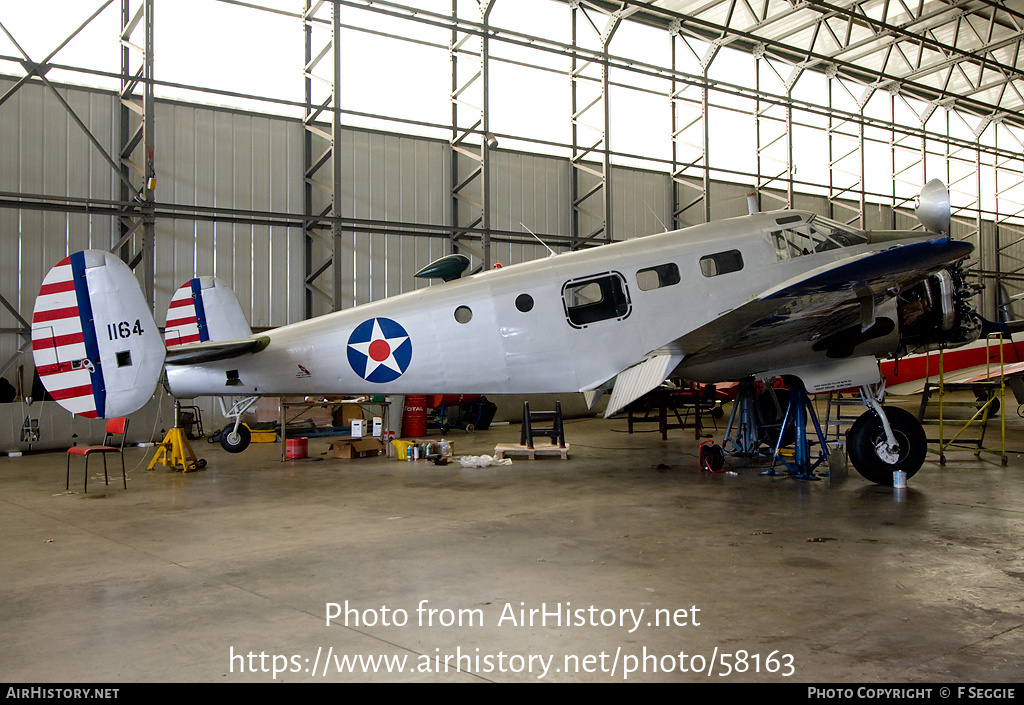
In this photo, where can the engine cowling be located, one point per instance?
(938, 312)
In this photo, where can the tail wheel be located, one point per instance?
(868, 447)
(235, 441)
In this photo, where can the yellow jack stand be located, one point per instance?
(175, 450)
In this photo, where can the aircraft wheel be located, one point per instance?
(866, 445)
(235, 442)
(993, 409)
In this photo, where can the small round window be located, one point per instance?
(463, 314)
(524, 302)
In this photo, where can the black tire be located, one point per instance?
(993, 409)
(868, 433)
(232, 442)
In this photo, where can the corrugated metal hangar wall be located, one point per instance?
(214, 157)
(237, 193)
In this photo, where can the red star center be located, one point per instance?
(379, 350)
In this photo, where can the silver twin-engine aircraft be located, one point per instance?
(764, 295)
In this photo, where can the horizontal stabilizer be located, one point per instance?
(634, 382)
(94, 343)
(214, 350)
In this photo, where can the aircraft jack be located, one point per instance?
(175, 450)
(743, 433)
(797, 413)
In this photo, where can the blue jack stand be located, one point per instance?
(797, 413)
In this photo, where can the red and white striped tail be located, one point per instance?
(204, 309)
(94, 342)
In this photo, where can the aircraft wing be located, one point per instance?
(831, 307)
(821, 306)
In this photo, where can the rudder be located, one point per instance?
(94, 342)
(204, 309)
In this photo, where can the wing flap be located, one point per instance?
(633, 382)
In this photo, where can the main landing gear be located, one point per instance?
(885, 439)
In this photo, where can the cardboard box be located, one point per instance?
(378, 427)
(356, 448)
(345, 414)
(358, 429)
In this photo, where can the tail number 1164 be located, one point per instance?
(123, 329)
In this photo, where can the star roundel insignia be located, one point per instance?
(379, 350)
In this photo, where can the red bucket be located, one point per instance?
(297, 448)
(414, 419)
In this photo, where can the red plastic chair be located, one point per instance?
(118, 426)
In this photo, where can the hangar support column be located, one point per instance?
(138, 171)
(591, 218)
(691, 174)
(471, 140)
(38, 70)
(773, 133)
(1009, 234)
(321, 197)
(845, 152)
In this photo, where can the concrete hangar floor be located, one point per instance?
(624, 563)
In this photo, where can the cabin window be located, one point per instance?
(657, 277)
(596, 298)
(463, 314)
(721, 263)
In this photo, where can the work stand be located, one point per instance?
(531, 430)
(750, 434)
(175, 451)
(798, 412)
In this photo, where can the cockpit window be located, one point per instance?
(842, 234)
(815, 235)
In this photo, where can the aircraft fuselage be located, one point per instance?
(536, 327)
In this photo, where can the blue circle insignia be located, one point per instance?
(379, 350)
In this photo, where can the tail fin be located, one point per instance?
(204, 309)
(94, 342)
